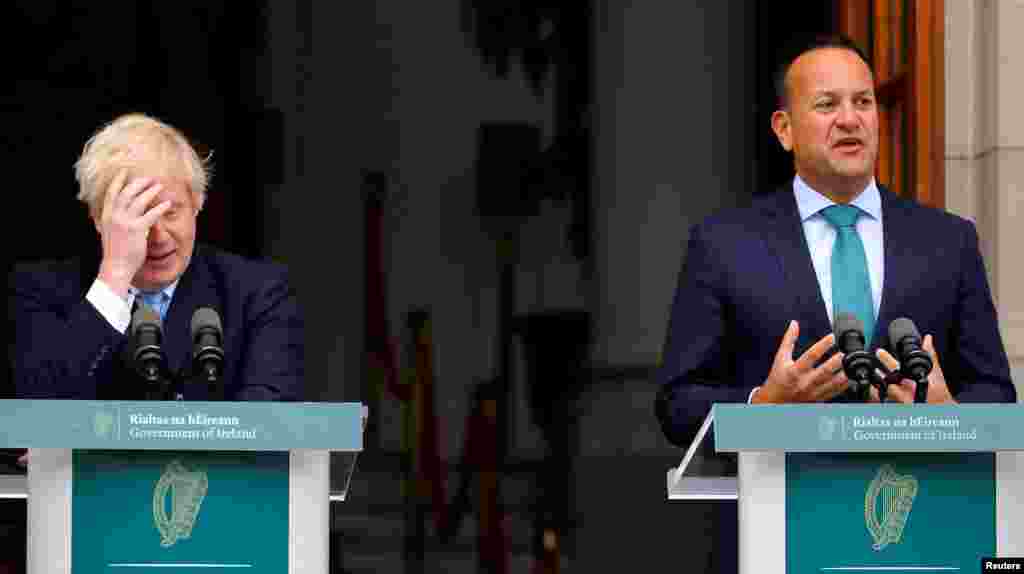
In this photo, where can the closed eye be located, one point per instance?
(865, 102)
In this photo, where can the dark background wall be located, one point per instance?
(297, 99)
(192, 64)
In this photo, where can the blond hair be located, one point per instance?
(144, 146)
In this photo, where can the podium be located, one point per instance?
(863, 488)
(180, 486)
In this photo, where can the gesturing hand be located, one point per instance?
(800, 381)
(124, 226)
(903, 391)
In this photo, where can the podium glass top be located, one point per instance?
(703, 474)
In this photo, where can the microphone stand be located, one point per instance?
(158, 387)
(210, 376)
(210, 373)
(155, 379)
(214, 387)
(882, 384)
(861, 369)
(860, 388)
(921, 389)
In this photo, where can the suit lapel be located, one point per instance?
(194, 289)
(897, 234)
(785, 237)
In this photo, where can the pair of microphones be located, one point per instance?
(149, 361)
(863, 369)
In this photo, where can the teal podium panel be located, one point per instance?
(889, 512)
(863, 487)
(183, 511)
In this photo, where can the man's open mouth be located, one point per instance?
(849, 144)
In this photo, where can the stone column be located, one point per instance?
(985, 147)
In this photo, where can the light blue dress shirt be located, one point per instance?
(161, 307)
(821, 236)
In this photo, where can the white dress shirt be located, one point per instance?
(821, 236)
(117, 311)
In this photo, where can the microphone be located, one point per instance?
(207, 346)
(915, 362)
(148, 356)
(858, 364)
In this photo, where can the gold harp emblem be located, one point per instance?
(187, 489)
(887, 505)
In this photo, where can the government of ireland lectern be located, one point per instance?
(182, 486)
(864, 488)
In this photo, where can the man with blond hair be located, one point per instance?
(144, 186)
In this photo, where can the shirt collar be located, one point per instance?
(809, 202)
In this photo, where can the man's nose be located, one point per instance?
(847, 116)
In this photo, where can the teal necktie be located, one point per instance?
(851, 285)
(157, 301)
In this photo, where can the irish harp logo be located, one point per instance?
(887, 505)
(103, 424)
(827, 428)
(187, 489)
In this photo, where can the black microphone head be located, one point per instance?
(900, 329)
(857, 363)
(205, 318)
(147, 335)
(849, 332)
(146, 317)
(846, 322)
(905, 340)
(207, 341)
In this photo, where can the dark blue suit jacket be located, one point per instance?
(748, 272)
(63, 348)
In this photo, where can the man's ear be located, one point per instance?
(94, 215)
(782, 126)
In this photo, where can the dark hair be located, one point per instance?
(800, 48)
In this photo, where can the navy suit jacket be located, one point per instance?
(748, 272)
(64, 349)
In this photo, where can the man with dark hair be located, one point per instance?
(761, 286)
(836, 41)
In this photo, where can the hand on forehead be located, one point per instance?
(175, 190)
(143, 163)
